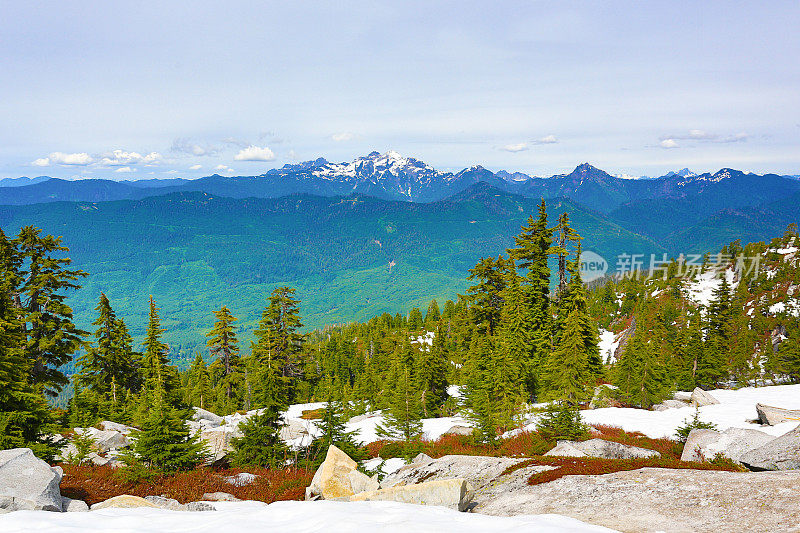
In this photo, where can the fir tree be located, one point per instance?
(260, 443)
(332, 432)
(415, 321)
(278, 347)
(198, 387)
(403, 416)
(165, 441)
(433, 375)
(432, 316)
(223, 344)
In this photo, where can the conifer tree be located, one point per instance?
(480, 389)
(486, 297)
(156, 371)
(433, 375)
(165, 441)
(223, 344)
(568, 372)
(332, 431)
(49, 337)
(403, 415)
(278, 347)
(640, 375)
(432, 316)
(415, 321)
(261, 443)
(198, 387)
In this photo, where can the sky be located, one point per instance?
(133, 90)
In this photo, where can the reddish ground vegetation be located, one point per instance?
(97, 483)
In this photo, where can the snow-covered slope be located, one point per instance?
(289, 517)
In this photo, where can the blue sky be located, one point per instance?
(128, 90)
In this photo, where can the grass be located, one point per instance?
(98, 483)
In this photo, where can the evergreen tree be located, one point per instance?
(432, 316)
(223, 344)
(278, 347)
(332, 432)
(433, 375)
(403, 415)
(155, 369)
(49, 337)
(261, 443)
(568, 372)
(165, 441)
(415, 321)
(480, 389)
(486, 298)
(640, 375)
(198, 387)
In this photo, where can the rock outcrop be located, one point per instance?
(28, 483)
(219, 497)
(68, 505)
(701, 398)
(604, 449)
(331, 480)
(733, 443)
(775, 415)
(781, 453)
(657, 499)
(124, 501)
(451, 493)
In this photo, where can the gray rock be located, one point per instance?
(166, 503)
(682, 396)
(602, 395)
(241, 479)
(422, 459)
(459, 430)
(565, 449)
(199, 507)
(331, 478)
(669, 404)
(775, 415)
(657, 499)
(601, 448)
(107, 425)
(360, 482)
(68, 505)
(781, 453)
(702, 398)
(123, 501)
(733, 443)
(487, 475)
(28, 482)
(202, 414)
(454, 494)
(293, 429)
(219, 497)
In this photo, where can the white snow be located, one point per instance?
(289, 517)
(456, 391)
(786, 251)
(737, 408)
(608, 345)
(390, 466)
(701, 291)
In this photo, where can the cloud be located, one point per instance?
(549, 139)
(195, 167)
(60, 158)
(124, 169)
(669, 143)
(518, 147)
(187, 146)
(255, 153)
(342, 137)
(704, 136)
(121, 157)
(224, 168)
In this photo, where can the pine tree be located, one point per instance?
(640, 375)
(480, 389)
(568, 372)
(155, 369)
(486, 298)
(332, 431)
(516, 331)
(223, 344)
(415, 321)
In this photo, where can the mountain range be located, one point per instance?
(390, 176)
(380, 234)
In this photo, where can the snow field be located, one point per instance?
(290, 517)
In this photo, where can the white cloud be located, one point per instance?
(342, 137)
(124, 169)
(548, 139)
(518, 147)
(60, 158)
(255, 153)
(195, 167)
(704, 136)
(669, 143)
(187, 146)
(121, 157)
(224, 168)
